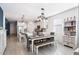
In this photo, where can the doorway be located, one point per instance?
(13, 28)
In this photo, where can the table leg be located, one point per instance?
(37, 50)
(32, 45)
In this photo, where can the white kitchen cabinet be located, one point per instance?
(2, 41)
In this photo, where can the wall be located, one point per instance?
(58, 24)
(78, 29)
(31, 27)
(50, 25)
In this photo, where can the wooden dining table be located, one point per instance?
(39, 38)
(34, 38)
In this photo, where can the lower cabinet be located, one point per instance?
(2, 41)
(69, 41)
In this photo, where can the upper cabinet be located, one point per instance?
(1, 18)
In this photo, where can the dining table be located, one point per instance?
(33, 38)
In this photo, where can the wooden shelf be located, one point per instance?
(69, 26)
(70, 21)
(44, 41)
(69, 32)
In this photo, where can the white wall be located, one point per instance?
(30, 27)
(59, 22)
(50, 25)
(78, 29)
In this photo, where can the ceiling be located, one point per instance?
(14, 11)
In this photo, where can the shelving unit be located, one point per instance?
(70, 31)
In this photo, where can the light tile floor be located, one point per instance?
(16, 48)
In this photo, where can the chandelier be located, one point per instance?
(42, 20)
(42, 16)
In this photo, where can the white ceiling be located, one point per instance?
(14, 11)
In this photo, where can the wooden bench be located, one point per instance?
(76, 52)
(41, 44)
